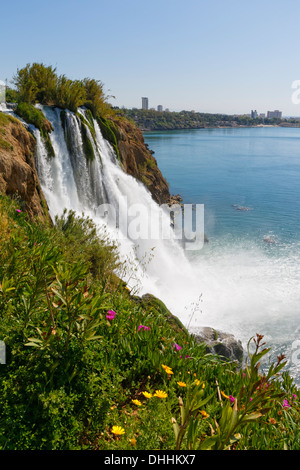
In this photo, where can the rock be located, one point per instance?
(269, 240)
(220, 343)
(18, 175)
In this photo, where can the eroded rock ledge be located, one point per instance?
(18, 175)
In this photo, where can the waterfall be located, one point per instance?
(156, 262)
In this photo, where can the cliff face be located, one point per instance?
(18, 175)
(138, 161)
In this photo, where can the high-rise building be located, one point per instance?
(274, 114)
(159, 108)
(253, 114)
(145, 103)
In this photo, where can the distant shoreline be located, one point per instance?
(221, 127)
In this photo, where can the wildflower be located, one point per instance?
(272, 421)
(286, 404)
(181, 384)
(137, 402)
(160, 394)
(176, 346)
(231, 398)
(197, 382)
(167, 369)
(204, 414)
(133, 441)
(19, 210)
(225, 396)
(111, 315)
(147, 394)
(143, 327)
(117, 430)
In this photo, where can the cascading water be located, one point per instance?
(71, 181)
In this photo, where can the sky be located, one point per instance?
(216, 56)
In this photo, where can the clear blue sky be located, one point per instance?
(227, 56)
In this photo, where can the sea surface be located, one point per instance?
(249, 182)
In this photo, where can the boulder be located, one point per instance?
(220, 343)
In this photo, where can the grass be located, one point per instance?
(85, 356)
(5, 145)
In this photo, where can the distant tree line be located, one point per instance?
(165, 120)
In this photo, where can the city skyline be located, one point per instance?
(216, 57)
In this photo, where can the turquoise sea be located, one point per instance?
(249, 182)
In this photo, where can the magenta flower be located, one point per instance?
(111, 315)
(143, 327)
(176, 346)
(286, 404)
(231, 398)
(19, 210)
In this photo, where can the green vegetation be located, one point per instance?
(154, 120)
(5, 145)
(34, 116)
(37, 83)
(90, 366)
(109, 132)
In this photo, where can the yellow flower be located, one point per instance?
(160, 394)
(133, 441)
(181, 384)
(147, 394)
(197, 382)
(204, 414)
(225, 396)
(167, 369)
(137, 402)
(117, 430)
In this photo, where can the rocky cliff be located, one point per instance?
(18, 175)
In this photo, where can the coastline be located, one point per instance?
(219, 127)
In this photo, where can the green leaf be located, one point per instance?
(208, 443)
(252, 416)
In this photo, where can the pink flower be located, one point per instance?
(19, 210)
(176, 346)
(111, 315)
(143, 327)
(286, 404)
(231, 398)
